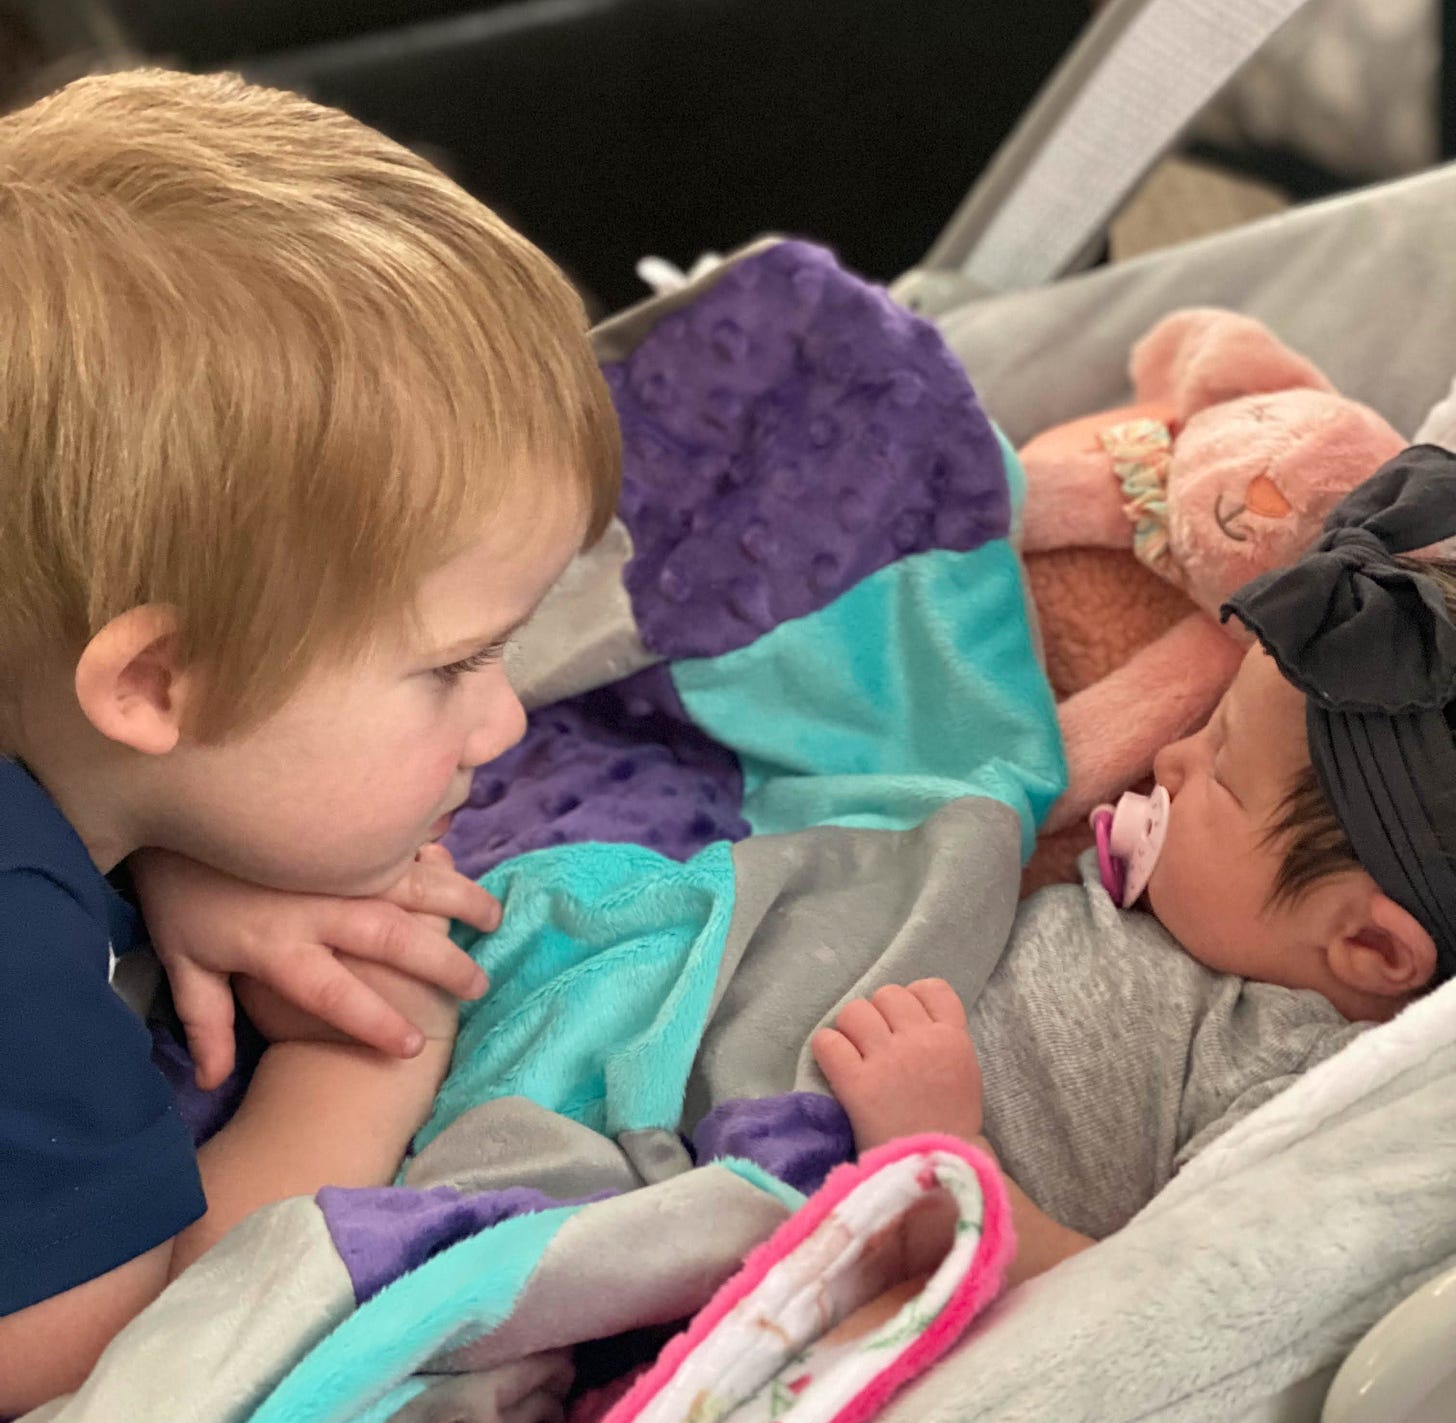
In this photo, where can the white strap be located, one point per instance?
(1131, 85)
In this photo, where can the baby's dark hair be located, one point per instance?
(1315, 845)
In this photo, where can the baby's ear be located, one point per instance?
(1203, 356)
(1389, 955)
(129, 680)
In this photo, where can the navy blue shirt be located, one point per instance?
(96, 1165)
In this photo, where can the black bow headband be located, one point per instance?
(1373, 648)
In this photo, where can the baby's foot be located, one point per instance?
(902, 1063)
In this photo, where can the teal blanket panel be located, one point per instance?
(366, 1370)
(602, 974)
(447, 1302)
(919, 685)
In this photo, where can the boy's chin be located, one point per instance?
(372, 883)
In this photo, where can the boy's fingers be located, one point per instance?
(204, 1004)
(432, 886)
(941, 1001)
(384, 933)
(322, 986)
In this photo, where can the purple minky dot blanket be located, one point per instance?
(800, 1137)
(785, 436)
(384, 1232)
(205, 1112)
(788, 434)
(621, 764)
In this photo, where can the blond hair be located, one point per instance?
(266, 366)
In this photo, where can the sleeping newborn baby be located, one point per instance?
(1304, 890)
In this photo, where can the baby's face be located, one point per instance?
(337, 790)
(1211, 885)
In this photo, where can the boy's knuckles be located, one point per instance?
(327, 997)
(391, 933)
(420, 886)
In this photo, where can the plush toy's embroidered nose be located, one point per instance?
(1262, 497)
(1265, 498)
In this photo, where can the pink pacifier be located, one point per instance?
(1129, 840)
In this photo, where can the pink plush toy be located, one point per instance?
(1225, 465)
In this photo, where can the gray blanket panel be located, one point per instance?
(583, 635)
(639, 1259)
(524, 1391)
(826, 915)
(1363, 285)
(211, 1346)
(513, 1142)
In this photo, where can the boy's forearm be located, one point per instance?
(1041, 1242)
(316, 1114)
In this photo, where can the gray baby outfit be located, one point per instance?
(1111, 1056)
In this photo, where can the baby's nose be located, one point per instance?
(1168, 766)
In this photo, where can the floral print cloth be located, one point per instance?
(823, 1323)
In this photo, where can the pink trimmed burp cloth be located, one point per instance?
(821, 1321)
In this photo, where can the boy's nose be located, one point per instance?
(501, 726)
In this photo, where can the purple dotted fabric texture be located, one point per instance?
(384, 1232)
(800, 1137)
(619, 764)
(205, 1113)
(785, 436)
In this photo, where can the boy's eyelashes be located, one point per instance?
(452, 672)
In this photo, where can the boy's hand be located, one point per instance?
(433, 1011)
(206, 926)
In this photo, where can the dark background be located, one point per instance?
(609, 129)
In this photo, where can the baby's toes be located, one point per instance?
(864, 1025)
(838, 1058)
(940, 1001)
(900, 1008)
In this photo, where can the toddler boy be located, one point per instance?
(293, 433)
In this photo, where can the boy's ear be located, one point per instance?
(1389, 955)
(129, 680)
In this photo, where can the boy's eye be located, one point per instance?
(452, 672)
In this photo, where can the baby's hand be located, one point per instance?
(902, 1063)
(207, 926)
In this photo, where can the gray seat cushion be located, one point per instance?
(1363, 284)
